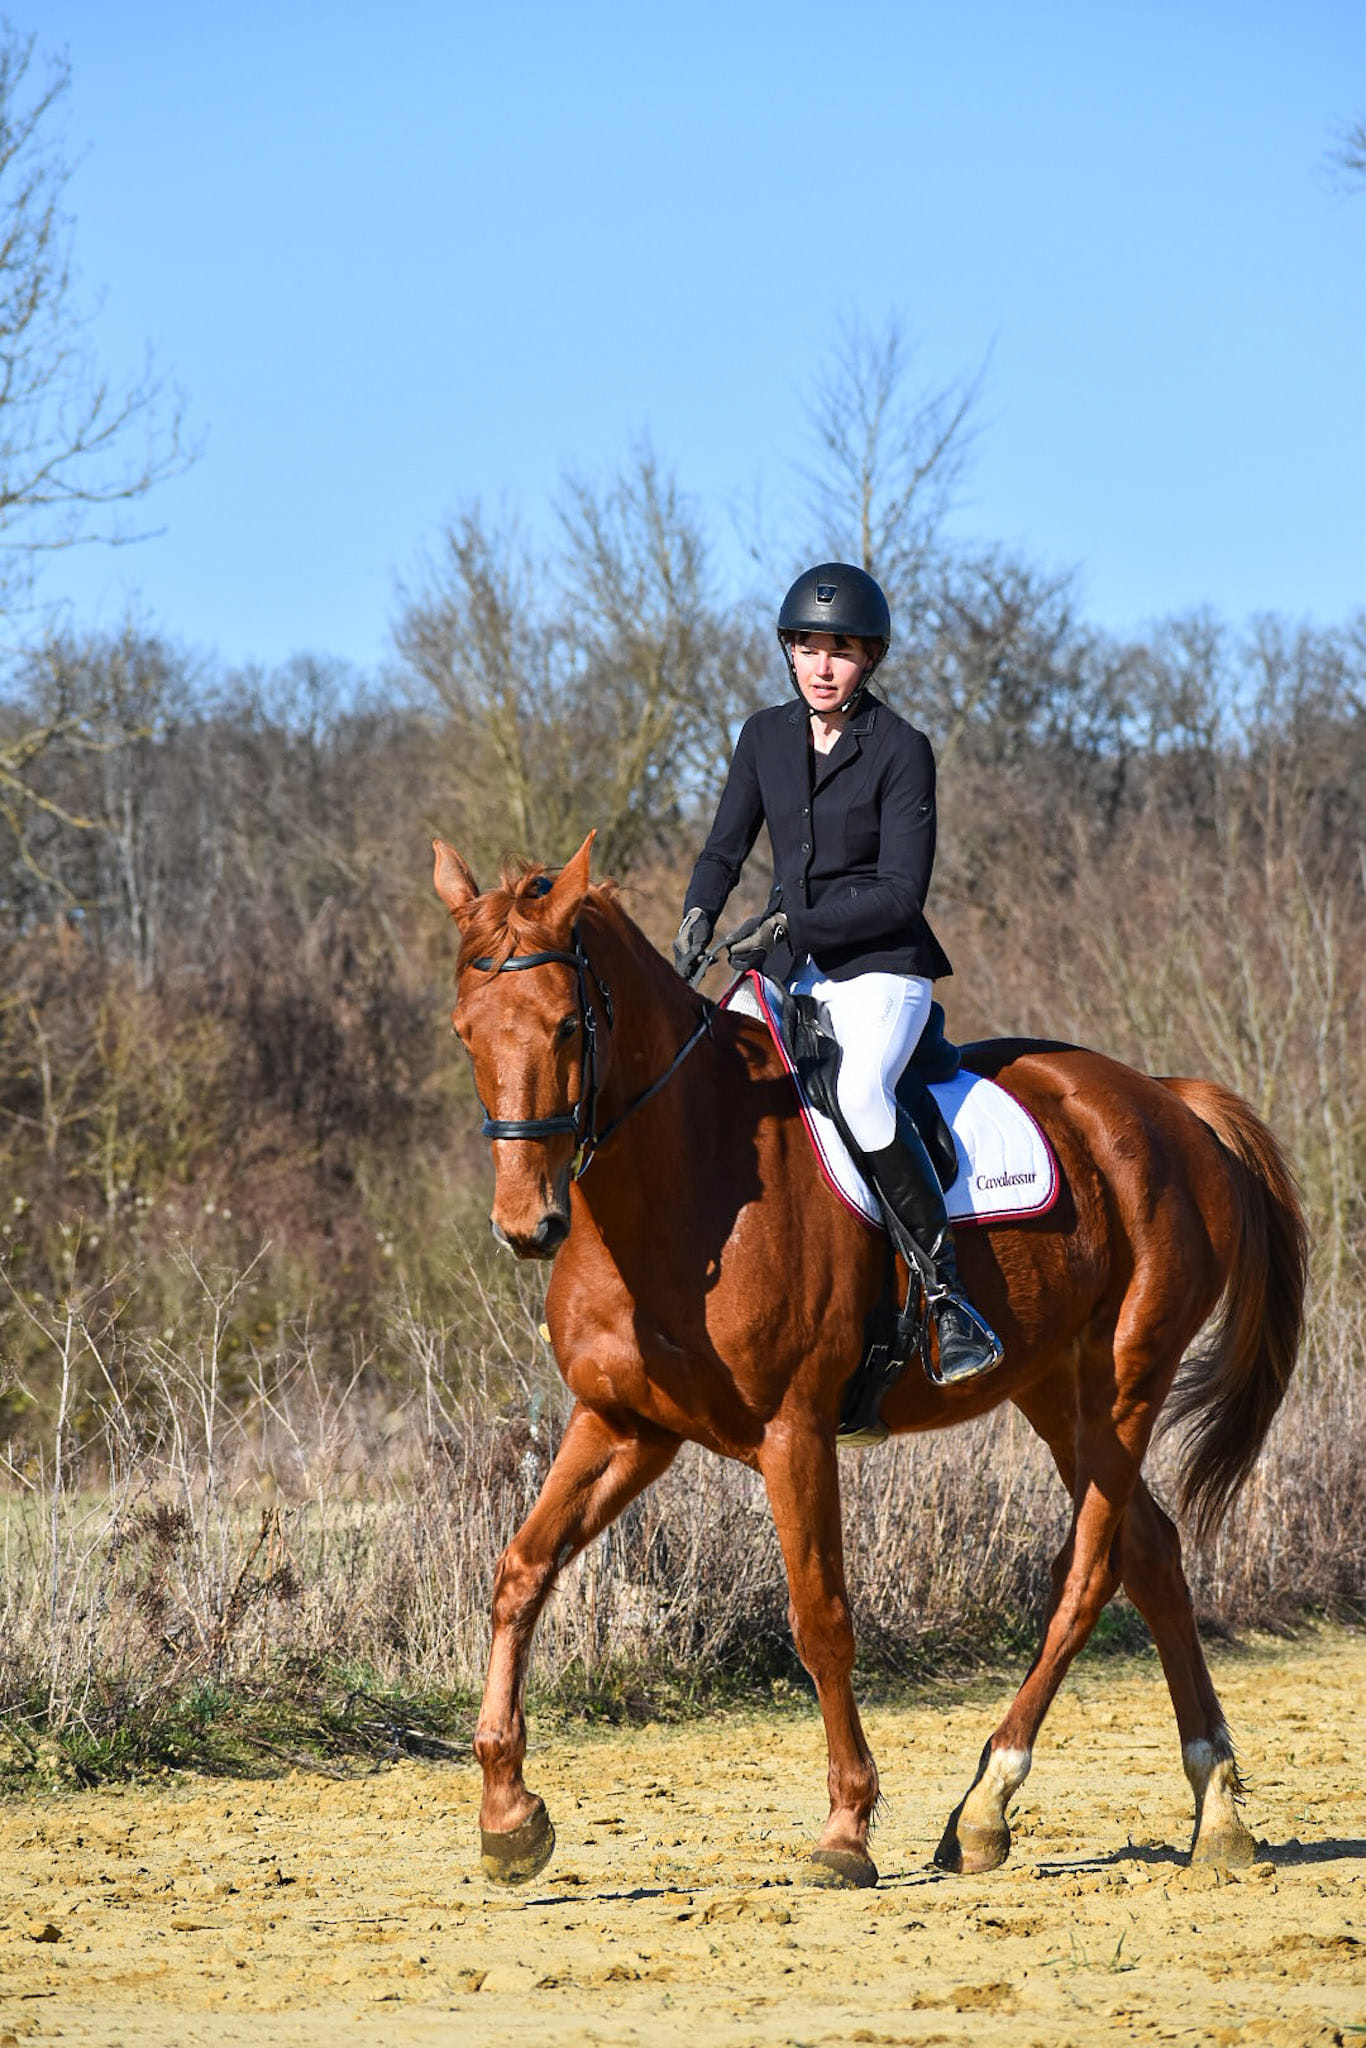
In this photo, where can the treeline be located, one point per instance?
(221, 1028)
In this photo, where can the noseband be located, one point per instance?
(581, 1121)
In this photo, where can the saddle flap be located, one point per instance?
(815, 1053)
(813, 1050)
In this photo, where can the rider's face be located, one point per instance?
(829, 669)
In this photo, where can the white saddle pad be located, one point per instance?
(1006, 1166)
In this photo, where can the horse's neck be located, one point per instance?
(707, 1102)
(653, 1011)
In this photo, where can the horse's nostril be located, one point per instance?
(540, 1242)
(551, 1232)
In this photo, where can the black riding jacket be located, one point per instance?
(852, 853)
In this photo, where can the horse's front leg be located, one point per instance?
(802, 1478)
(598, 1469)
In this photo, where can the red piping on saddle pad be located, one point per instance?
(826, 1175)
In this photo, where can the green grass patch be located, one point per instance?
(339, 1719)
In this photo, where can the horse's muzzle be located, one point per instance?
(541, 1243)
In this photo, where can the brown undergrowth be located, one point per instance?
(232, 1568)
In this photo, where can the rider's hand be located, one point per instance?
(754, 942)
(691, 942)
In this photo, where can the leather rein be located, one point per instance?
(581, 1121)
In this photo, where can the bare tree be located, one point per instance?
(664, 670)
(1347, 162)
(75, 450)
(472, 634)
(889, 461)
(600, 689)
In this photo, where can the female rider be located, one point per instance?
(846, 789)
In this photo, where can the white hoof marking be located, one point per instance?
(1003, 1773)
(1007, 1770)
(1201, 1758)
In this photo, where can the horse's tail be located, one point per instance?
(1229, 1390)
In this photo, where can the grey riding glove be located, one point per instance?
(691, 942)
(754, 941)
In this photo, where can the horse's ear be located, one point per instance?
(569, 888)
(455, 885)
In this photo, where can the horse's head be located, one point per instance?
(526, 1028)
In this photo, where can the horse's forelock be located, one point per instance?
(511, 918)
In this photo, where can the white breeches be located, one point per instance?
(878, 1019)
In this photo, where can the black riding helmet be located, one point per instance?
(835, 597)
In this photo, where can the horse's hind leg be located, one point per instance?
(977, 1834)
(802, 1478)
(1103, 1469)
(1150, 1564)
(1143, 1549)
(596, 1472)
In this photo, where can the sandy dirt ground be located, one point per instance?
(308, 1911)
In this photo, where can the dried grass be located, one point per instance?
(165, 1538)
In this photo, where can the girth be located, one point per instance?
(890, 1337)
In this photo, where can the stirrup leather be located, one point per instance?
(886, 1360)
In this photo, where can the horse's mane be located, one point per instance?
(512, 916)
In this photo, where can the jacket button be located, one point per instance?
(806, 810)
(806, 846)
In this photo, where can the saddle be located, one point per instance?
(892, 1333)
(815, 1053)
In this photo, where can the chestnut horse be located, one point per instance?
(708, 1286)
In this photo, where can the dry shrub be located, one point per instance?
(1175, 951)
(192, 1533)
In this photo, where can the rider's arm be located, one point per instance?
(890, 904)
(734, 830)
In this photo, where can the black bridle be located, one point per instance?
(582, 1120)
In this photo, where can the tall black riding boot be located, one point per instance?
(908, 1188)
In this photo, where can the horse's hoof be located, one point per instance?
(840, 1869)
(968, 1851)
(520, 1853)
(1231, 1848)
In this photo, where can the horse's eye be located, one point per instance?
(566, 1029)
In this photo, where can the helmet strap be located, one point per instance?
(851, 703)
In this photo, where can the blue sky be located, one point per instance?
(401, 259)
